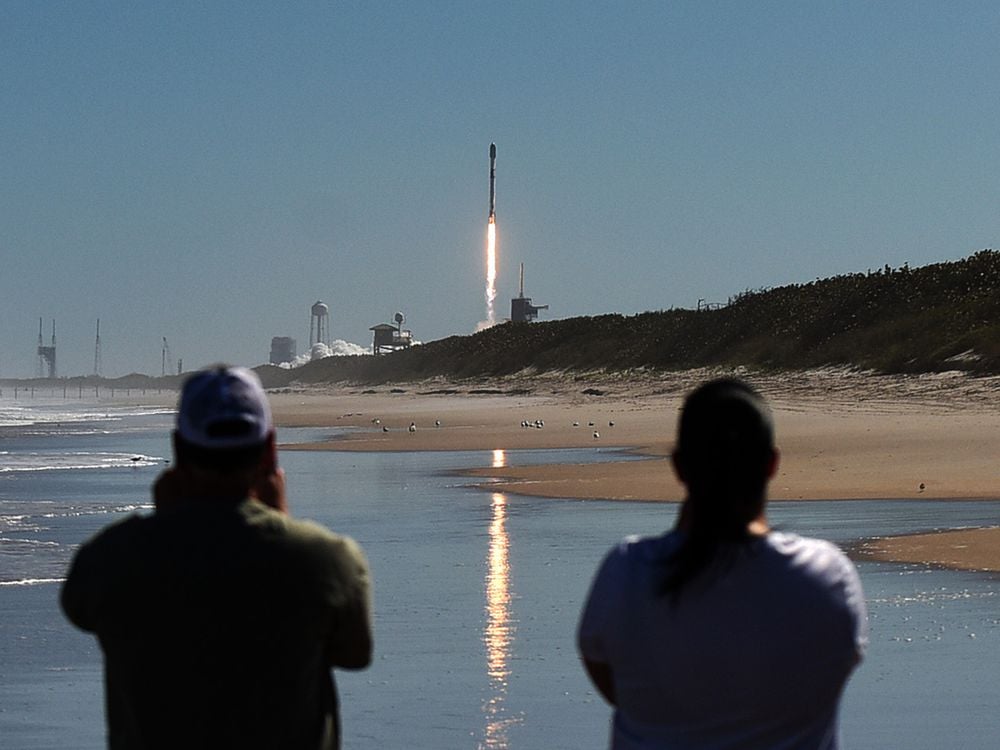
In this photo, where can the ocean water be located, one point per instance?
(476, 593)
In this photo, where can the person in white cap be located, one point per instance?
(723, 633)
(220, 617)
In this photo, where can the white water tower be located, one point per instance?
(319, 325)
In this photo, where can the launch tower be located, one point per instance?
(521, 309)
(46, 354)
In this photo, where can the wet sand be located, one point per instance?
(843, 436)
(964, 549)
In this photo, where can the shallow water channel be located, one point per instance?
(477, 596)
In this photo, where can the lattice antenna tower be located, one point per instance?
(40, 369)
(97, 350)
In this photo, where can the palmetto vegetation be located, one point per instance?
(944, 316)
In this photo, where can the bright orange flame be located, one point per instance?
(491, 270)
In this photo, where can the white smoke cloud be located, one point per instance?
(338, 348)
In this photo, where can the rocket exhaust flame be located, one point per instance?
(491, 270)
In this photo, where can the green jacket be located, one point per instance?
(220, 623)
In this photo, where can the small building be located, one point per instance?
(283, 350)
(388, 337)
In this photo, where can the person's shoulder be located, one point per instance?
(113, 549)
(821, 567)
(820, 556)
(790, 543)
(306, 529)
(124, 531)
(312, 532)
(309, 535)
(643, 549)
(630, 566)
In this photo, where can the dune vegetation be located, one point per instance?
(944, 316)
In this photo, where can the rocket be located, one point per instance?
(493, 182)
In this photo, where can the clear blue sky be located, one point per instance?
(205, 171)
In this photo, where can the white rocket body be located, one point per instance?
(493, 181)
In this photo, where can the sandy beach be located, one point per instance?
(843, 435)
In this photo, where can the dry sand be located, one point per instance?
(843, 435)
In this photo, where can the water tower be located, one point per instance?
(319, 325)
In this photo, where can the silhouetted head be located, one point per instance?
(223, 421)
(725, 440)
(725, 456)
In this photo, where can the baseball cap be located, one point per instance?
(224, 407)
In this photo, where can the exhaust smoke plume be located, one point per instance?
(319, 350)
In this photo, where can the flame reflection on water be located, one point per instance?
(500, 627)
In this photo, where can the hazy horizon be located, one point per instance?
(205, 172)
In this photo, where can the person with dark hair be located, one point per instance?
(220, 617)
(723, 633)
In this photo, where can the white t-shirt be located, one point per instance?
(753, 654)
